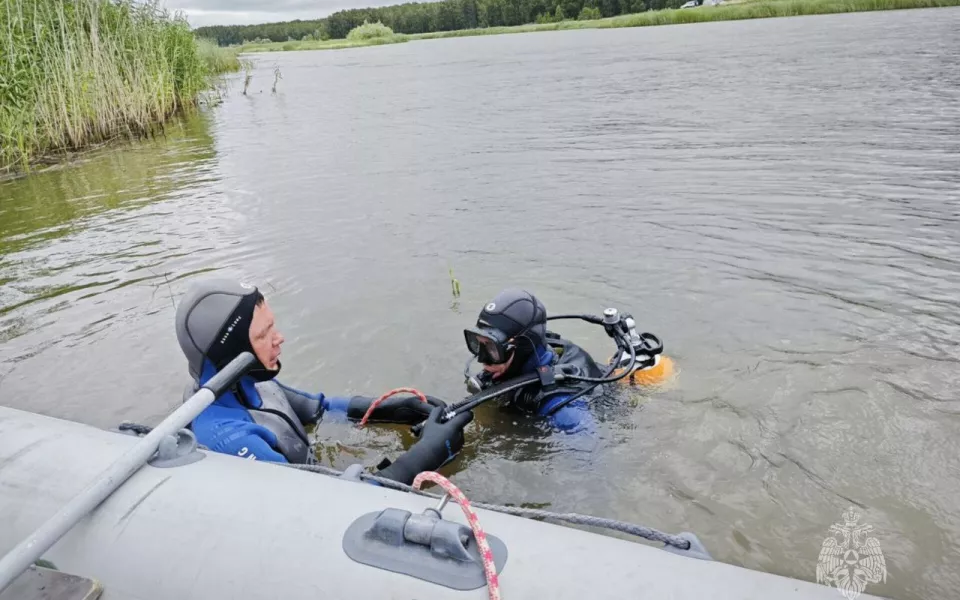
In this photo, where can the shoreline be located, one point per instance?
(111, 70)
(730, 11)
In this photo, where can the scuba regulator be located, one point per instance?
(647, 347)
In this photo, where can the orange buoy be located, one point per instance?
(658, 373)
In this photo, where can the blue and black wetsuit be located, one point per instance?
(574, 417)
(262, 420)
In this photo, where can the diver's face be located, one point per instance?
(264, 337)
(498, 370)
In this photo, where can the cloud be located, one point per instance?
(200, 17)
(244, 6)
(248, 12)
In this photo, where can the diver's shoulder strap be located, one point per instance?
(561, 346)
(571, 355)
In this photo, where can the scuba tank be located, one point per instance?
(651, 366)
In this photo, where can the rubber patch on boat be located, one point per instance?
(377, 539)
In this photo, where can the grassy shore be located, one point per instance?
(732, 11)
(338, 44)
(78, 73)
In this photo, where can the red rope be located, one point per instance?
(486, 555)
(377, 402)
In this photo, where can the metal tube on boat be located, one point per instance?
(32, 548)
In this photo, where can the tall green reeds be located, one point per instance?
(218, 59)
(78, 72)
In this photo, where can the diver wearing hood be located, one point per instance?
(511, 339)
(261, 419)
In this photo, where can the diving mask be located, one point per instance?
(490, 346)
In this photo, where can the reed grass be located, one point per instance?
(78, 73)
(217, 58)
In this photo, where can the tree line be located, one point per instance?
(228, 35)
(450, 15)
(426, 17)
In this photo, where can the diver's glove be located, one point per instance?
(406, 410)
(438, 444)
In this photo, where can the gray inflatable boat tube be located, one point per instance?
(226, 528)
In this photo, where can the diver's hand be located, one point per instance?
(407, 410)
(438, 444)
(445, 435)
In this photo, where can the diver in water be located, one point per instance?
(262, 419)
(540, 373)
(511, 339)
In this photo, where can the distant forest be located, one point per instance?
(418, 17)
(228, 35)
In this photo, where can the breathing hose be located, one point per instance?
(622, 344)
(493, 392)
(606, 379)
(606, 376)
(588, 318)
(471, 402)
(587, 390)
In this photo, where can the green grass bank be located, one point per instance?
(81, 72)
(731, 11)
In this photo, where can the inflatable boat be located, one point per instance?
(151, 518)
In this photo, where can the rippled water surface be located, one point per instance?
(779, 200)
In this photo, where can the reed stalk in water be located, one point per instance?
(454, 284)
(276, 77)
(247, 77)
(82, 72)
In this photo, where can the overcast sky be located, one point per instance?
(230, 12)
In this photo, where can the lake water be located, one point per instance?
(778, 200)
